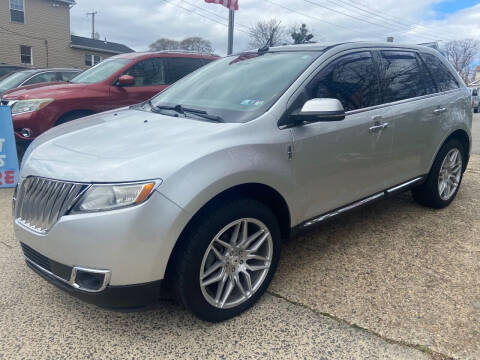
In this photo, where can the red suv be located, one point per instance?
(118, 81)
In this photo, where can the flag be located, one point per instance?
(231, 4)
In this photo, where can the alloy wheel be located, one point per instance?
(236, 263)
(450, 174)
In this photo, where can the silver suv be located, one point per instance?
(193, 190)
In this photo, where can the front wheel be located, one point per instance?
(444, 179)
(228, 259)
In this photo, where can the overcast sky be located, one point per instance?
(139, 23)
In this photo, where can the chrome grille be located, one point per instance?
(41, 202)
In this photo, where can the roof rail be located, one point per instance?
(179, 52)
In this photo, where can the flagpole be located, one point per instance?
(231, 13)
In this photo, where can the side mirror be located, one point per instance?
(126, 80)
(316, 110)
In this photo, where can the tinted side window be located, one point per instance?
(352, 79)
(179, 67)
(148, 72)
(403, 76)
(442, 76)
(40, 78)
(68, 75)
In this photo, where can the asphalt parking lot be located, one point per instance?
(392, 281)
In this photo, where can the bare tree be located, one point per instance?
(267, 33)
(164, 44)
(462, 53)
(196, 44)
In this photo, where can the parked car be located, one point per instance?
(475, 99)
(118, 81)
(6, 69)
(36, 76)
(196, 187)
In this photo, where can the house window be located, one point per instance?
(17, 11)
(91, 60)
(26, 54)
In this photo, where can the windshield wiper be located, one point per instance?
(183, 110)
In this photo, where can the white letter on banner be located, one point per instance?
(2, 163)
(1, 144)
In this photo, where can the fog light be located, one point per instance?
(26, 132)
(89, 279)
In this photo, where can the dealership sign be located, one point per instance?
(8, 150)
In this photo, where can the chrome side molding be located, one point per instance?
(361, 202)
(404, 185)
(343, 209)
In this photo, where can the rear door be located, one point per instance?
(410, 109)
(150, 79)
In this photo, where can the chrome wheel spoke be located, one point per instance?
(213, 279)
(227, 292)
(251, 238)
(236, 263)
(259, 243)
(450, 174)
(213, 268)
(220, 288)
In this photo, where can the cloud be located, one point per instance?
(137, 24)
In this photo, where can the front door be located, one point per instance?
(150, 79)
(336, 163)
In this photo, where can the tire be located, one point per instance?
(428, 194)
(72, 116)
(475, 110)
(22, 147)
(196, 256)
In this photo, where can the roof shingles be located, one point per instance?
(81, 42)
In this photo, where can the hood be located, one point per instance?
(43, 91)
(122, 145)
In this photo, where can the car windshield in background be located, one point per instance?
(238, 88)
(100, 72)
(15, 79)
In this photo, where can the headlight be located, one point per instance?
(110, 197)
(23, 106)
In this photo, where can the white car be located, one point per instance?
(475, 99)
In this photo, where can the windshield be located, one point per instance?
(100, 72)
(238, 88)
(15, 79)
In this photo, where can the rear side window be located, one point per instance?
(441, 75)
(352, 79)
(180, 67)
(403, 76)
(68, 75)
(40, 78)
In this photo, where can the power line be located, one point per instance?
(385, 18)
(214, 13)
(353, 17)
(202, 15)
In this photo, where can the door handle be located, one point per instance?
(378, 127)
(439, 110)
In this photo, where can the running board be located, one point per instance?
(361, 202)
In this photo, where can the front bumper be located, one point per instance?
(134, 244)
(112, 297)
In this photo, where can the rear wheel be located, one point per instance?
(444, 180)
(228, 260)
(475, 110)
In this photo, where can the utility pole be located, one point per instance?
(231, 17)
(93, 13)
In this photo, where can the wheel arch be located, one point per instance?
(260, 192)
(64, 117)
(462, 136)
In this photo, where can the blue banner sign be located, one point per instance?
(8, 150)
